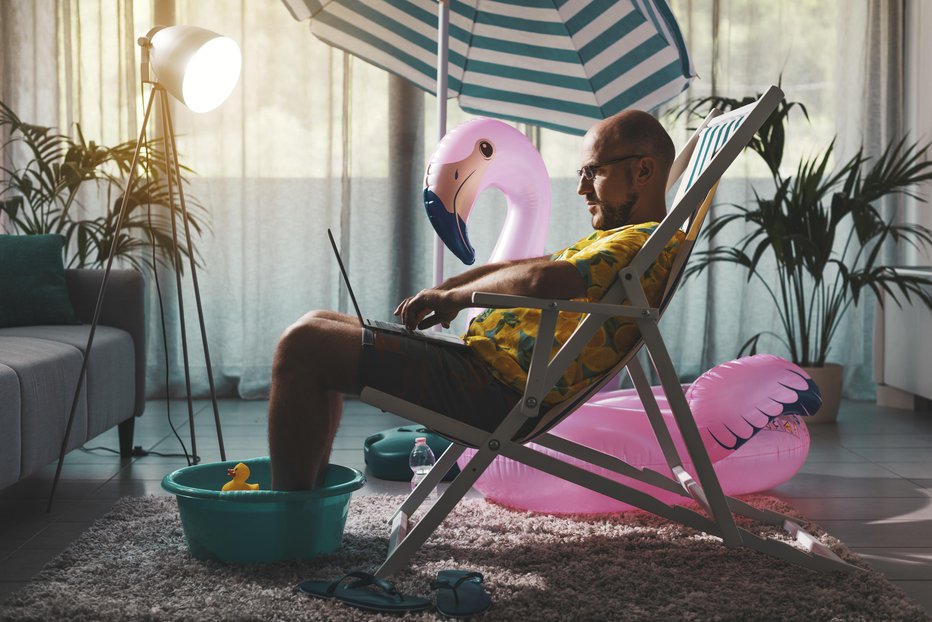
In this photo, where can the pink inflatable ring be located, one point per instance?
(749, 413)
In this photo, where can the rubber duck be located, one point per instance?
(239, 473)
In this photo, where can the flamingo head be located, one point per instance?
(477, 154)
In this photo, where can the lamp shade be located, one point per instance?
(198, 67)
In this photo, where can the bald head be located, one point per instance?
(626, 161)
(636, 131)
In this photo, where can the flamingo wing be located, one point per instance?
(737, 400)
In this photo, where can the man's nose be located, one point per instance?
(584, 186)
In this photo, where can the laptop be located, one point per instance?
(392, 327)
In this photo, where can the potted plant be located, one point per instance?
(815, 244)
(46, 175)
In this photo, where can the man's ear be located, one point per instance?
(646, 171)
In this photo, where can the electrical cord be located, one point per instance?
(138, 452)
(158, 289)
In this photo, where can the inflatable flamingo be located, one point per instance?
(748, 411)
(485, 153)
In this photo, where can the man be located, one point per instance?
(626, 160)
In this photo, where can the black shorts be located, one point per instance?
(449, 380)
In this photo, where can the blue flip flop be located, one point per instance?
(366, 592)
(460, 593)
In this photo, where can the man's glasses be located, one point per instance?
(588, 171)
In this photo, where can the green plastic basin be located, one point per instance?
(261, 525)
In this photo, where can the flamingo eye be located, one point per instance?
(456, 174)
(485, 148)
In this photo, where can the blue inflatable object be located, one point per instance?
(387, 452)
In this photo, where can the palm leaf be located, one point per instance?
(898, 168)
(821, 273)
(38, 194)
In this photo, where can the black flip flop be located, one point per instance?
(384, 598)
(460, 593)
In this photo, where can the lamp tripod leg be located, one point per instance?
(197, 290)
(170, 155)
(100, 299)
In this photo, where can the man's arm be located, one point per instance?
(539, 279)
(474, 274)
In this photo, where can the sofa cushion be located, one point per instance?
(10, 429)
(47, 372)
(32, 281)
(111, 380)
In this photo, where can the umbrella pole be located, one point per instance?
(443, 27)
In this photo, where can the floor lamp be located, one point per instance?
(199, 68)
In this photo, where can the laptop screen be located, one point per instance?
(349, 287)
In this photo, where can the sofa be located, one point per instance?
(40, 365)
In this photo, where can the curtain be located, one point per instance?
(64, 63)
(312, 138)
(918, 89)
(870, 115)
(843, 61)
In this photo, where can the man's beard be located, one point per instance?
(614, 216)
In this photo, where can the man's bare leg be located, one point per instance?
(316, 361)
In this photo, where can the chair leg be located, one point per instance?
(399, 520)
(125, 430)
(399, 557)
(657, 423)
(662, 433)
(712, 494)
(430, 481)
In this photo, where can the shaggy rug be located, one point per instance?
(133, 564)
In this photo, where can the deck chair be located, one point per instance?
(709, 152)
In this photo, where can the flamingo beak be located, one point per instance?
(811, 398)
(450, 227)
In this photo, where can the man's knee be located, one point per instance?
(331, 316)
(299, 345)
(317, 348)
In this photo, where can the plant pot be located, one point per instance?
(829, 380)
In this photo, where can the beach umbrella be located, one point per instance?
(559, 64)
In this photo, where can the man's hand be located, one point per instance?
(538, 278)
(428, 308)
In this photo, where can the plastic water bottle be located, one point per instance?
(421, 461)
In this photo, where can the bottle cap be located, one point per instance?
(420, 440)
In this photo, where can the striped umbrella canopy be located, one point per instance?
(560, 64)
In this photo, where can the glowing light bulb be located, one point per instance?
(198, 67)
(211, 74)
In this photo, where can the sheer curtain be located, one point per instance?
(63, 62)
(843, 61)
(312, 138)
(738, 54)
(919, 118)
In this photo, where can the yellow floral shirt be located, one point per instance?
(504, 338)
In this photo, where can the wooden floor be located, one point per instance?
(868, 481)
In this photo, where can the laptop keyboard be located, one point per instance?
(392, 326)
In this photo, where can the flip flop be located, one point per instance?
(383, 598)
(460, 593)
